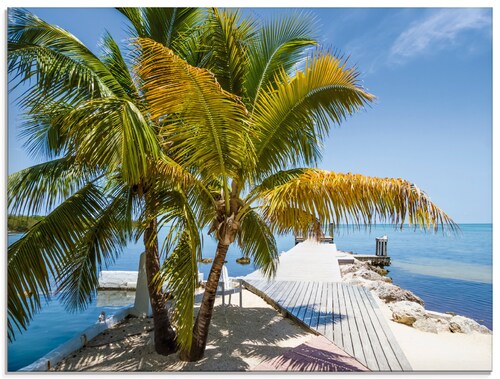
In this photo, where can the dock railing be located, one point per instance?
(325, 237)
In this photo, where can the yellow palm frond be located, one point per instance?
(205, 125)
(321, 197)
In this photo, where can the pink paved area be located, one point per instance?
(318, 354)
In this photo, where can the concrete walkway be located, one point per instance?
(307, 261)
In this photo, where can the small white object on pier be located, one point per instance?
(307, 261)
(118, 280)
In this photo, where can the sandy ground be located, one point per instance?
(442, 351)
(241, 338)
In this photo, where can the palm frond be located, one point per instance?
(38, 256)
(280, 45)
(294, 118)
(113, 134)
(31, 39)
(256, 240)
(272, 181)
(179, 212)
(163, 25)
(193, 48)
(113, 59)
(41, 131)
(179, 273)
(102, 242)
(206, 126)
(39, 188)
(339, 198)
(58, 77)
(228, 39)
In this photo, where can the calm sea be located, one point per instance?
(451, 273)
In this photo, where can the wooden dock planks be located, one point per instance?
(347, 315)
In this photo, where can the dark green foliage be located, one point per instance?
(21, 224)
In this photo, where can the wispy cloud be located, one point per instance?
(437, 31)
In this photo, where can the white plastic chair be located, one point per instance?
(226, 286)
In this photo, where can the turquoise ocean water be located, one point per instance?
(451, 273)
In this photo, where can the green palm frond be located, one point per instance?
(256, 240)
(179, 210)
(191, 47)
(39, 188)
(338, 198)
(58, 77)
(38, 256)
(180, 275)
(33, 41)
(228, 40)
(280, 45)
(113, 59)
(164, 25)
(98, 247)
(182, 249)
(117, 137)
(294, 118)
(41, 131)
(209, 130)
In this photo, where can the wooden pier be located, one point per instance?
(327, 236)
(308, 287)
(300, 238)
(345, 314)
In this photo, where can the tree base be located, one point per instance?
(166, 344)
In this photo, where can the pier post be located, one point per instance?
(381, 246)
(241, 292)
(330, 230)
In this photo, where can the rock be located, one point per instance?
(426, 325)
(391, 293)
(364, 270)
(371, 275)
(439, 316)
(356, 266)
(442, 325)
(358, 281)
(243, 260)
(407, 312)
(379, 270)
(460, 324)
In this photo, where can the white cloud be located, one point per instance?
(438, 31)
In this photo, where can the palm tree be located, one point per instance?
(248, 168)
(86, 115)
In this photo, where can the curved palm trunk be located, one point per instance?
(164, 339)
(202, 323)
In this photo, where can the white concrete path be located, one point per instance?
(307, 261)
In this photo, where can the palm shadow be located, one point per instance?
(253, 333)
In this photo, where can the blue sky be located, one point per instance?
(431, 70)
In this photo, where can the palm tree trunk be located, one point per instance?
(202, 323)
(164, 339)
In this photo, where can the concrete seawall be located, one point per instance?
(52, 358)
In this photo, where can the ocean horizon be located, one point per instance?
(450, 272)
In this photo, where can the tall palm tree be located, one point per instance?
(86, 115)
(249, 167)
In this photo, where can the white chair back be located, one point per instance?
(224, 278)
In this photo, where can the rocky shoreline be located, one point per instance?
(407, 308)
